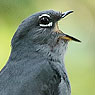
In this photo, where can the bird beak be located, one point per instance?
(65, 36)
(66, 13)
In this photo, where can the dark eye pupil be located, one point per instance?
(44, 20)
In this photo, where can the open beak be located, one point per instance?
(68, 38)
(65, 36)
(66, 13)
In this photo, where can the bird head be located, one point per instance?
(42, 29)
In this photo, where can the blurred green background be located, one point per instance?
(80, 57)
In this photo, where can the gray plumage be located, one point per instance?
(36, 63)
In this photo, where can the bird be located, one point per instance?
(36, 62)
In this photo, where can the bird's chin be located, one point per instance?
(61, 47)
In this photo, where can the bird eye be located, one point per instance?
(44, 21)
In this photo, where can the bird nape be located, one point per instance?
(36, 63)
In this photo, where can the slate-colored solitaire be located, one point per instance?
(36, 63)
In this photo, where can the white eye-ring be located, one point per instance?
(45, 21)
(46, 25)
(44, 15)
